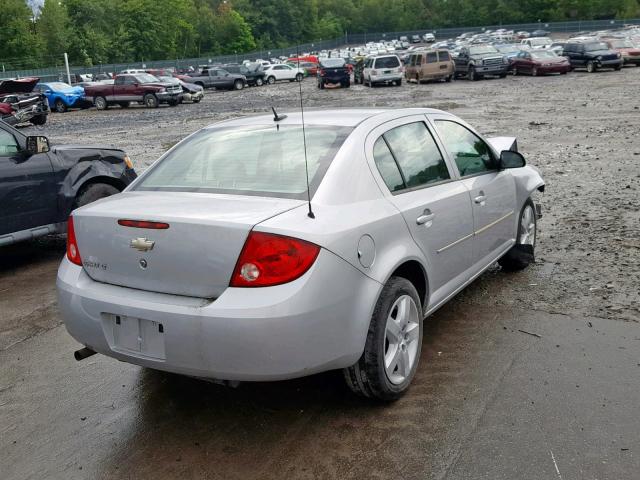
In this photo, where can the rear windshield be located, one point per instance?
(387, 62)
(333, 62)
(257, 160)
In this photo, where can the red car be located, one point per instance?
(630, 54)
(539, 62)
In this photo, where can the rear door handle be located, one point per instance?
(426, 218)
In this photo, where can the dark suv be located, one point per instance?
(253, 73)
(333, 71)
(41, 185)
(592, 55)
(476, 61)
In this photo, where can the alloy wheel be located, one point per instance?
(527, 226)
(401, 344)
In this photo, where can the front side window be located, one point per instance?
(259, 160)
(416, 154)
(8, 144)
(432, 57)
(472, 155)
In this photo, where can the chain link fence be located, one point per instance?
(58, 73)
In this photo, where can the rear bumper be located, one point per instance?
(388, 78)
(318, 322)
(335, 79)
(631, 60)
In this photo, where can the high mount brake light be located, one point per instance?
(268, 259)
(144, 224)
(73, 253)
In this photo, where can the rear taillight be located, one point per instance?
(268, 259)
(322, 72)
(73, 253)
(143, 224)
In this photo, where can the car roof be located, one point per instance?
(348, 117)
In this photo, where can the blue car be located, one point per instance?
(62, 96)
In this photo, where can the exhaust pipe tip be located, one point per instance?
(83, 353)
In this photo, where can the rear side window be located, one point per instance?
(8, 144)
(432, 57)
(387, 166)
(444, 56)
(387, 62)
(471, 154)
(416, 155)
(258, 160)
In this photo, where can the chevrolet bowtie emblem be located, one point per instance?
(142, 244)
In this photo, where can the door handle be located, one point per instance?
(426, 218)
(480, 199)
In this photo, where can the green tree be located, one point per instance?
(53, 28)
(19, 45)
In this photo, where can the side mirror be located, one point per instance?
(509, 159)
(136, 84)
(37, 144)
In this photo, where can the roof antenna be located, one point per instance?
(304, 139)
(276, 117)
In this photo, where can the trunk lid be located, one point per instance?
(195, 256)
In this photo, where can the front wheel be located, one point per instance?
(617, 67)
(238, 85)
(522, 254)
(393, 345)
(271, 80)
(259, 82)
(39, 119)
(94, 192)
(100, 103)
(473, 76)
(150, 101)
(399, 82)
(591, 67)
(299, 77)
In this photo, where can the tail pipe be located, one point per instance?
(83, 353)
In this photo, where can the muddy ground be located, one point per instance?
(489, 400)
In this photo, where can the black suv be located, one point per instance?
(476, 61)
(253, 72)
(592, 55)
(333, 71)
(40, 186)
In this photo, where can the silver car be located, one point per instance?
(214, 264)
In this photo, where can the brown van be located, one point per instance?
(429, 65)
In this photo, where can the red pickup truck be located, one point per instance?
(136, 87)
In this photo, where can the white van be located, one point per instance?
(385, 69)
(537, 43)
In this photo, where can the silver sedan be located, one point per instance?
(222, 261)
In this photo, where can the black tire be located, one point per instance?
(449, 78)
(473, 76)
(150, 101)
(347, 84)
(60, 106)
(124, 104)
(93, 192)
(591, 67)
(196, 100)
(368, 376)
(271, 80)
(39, 119)
(299, 77)
(321, 85)
(617, 67)
(238, 85)
(399, 82)
(173, 103)
(503, 75)
(101, 103)
(515, 71)
(521, 255)
(259, 82)
(534, 72)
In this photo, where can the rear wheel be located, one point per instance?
(259, 82)
(94, 192)
(238, 85)
(449, 78)
(398, 82)
(100, 103)
(271, 80)
(150, 101)
(523, 252)
(299, 77)
(534, 71)
(394, 342)
(60, 106)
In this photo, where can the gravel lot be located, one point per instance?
(489, 401)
